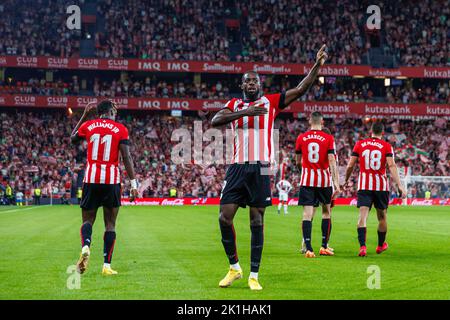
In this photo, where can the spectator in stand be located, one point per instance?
(416, 33)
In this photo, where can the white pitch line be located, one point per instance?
(25, 209)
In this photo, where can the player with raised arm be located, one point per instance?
(101, 183)
(373, 154)
(247, 181)
(315, 158)
(283, 187)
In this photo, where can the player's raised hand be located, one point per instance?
(321, 55)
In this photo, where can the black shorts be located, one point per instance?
(313, 196)
(247, 184)
(380, 199)
(100, 195)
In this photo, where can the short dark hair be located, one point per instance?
(104, 106)
(249, 72)
(316, 117)
(377, 127)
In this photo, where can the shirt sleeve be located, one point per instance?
(277, 101)
(332, 146)
(124, 139)
(298, 145)
(229, 105)
(389, 151)
(355, 152)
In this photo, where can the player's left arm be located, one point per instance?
(295, 93)
(124, 147)
(334, 173)
(350, 168)
(289, 187)
(74, 137)
(298, 154)
(394, 174)
(333, 165)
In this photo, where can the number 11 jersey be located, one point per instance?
(372, 154)
(104, 137)
(314, 146)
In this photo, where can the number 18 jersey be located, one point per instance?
(372, 154)
(314, 146)
(104, 137)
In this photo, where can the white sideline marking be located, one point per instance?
(14, 210)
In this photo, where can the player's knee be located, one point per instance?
(110, 225)
(224, 220)
(89, 221)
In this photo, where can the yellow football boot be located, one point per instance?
(83, 262)
(254, 284)
(107, 271)
(231, 276)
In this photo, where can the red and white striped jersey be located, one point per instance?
(253, 136)
(314, 146)
(372, 154)
(103, 137)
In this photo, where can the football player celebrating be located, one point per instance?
(247, 181)
(373, 155)
(101, 183)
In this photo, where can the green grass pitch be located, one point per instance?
(176, 253)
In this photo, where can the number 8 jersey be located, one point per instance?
(372, 154)
(314, 146)
(103, 137)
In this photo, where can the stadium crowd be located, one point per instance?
(416, 33)
(35, 151)
(341, 90)
(37, 28)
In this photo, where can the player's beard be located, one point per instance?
(252, 96)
